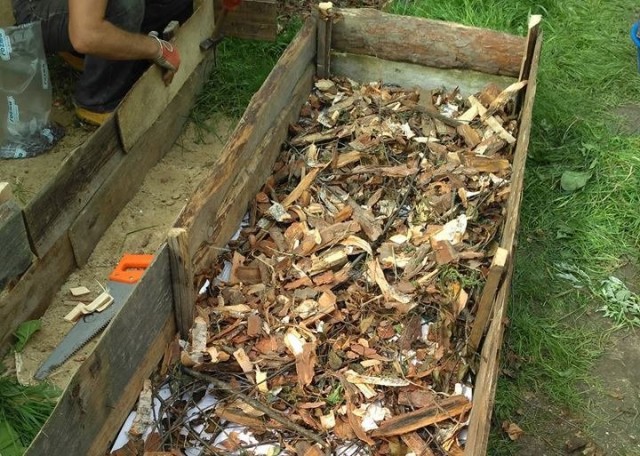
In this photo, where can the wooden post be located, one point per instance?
(325, 26)
(486, 299)
(184, 298)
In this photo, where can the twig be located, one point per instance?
(276, 416)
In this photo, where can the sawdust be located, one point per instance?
(141, 227)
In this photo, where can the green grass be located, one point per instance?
(588, 68)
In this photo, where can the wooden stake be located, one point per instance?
(486, 299)
(184, 298)
(325, 27)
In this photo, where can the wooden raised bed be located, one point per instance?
(368, 43)
(64, 222)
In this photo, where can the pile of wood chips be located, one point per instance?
(354, 286)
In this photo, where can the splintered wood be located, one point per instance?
(356, 282)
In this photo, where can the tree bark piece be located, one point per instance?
(184, 296)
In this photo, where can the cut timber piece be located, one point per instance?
(487, 378)
(118, 378)
(415, 443)
(487, 298)
(426, 42)
(325, 27)
(504, 97)
(470, 135)
(149, 97)
(184, 295)
(492, 122)
(447, 409)
(75, 313)
(15, 252)
(100, 303)
(253, 20)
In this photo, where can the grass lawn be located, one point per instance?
(587, 69)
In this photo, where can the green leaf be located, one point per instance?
(9, 441)
(24, 333)
(574, 180)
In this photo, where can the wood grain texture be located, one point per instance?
(149, 97)
(33, 292)
(200, 214)
(184, 296)
(252, 175)
(252, 20)
(124, 180)
(15, 252)
(50, 213)
(366, 68)
(426, 42)
(102, 392)
(487, 378)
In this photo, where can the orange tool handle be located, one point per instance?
(130, 268)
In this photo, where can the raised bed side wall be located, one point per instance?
(105, 388)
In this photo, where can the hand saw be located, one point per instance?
(122, 282)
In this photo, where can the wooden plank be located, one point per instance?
(366, 68)
(16, 259)
(149, 97)
(426, 42)
(184, 296)
(6, 13)
(252, 20)
(102, 392)
(124, 180)
(33, 292)
(487, 298)
(200, 214)
(50, 213)
(252, 175)
(487, 378)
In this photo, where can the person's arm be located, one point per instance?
(91, 33)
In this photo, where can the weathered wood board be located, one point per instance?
(32, 294)
(14, 243)
(253, 19)
(101, 393)
(426, 42)
(149, 97)
(49, 214)
(6, 13)
(487, 378)
(124, 180)
(366, 68)
(199, 215)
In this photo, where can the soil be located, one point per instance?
(629, 119)
(141, 227)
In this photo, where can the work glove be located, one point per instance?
(168, 58)
(231, 5)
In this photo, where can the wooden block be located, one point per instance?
(101, 302)
(252, 20)
(75, 313)
(79, 291)
(139, 110)
(16, 259)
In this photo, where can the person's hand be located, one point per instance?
(168, 58)
(231, 5)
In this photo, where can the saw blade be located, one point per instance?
(85, 330)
